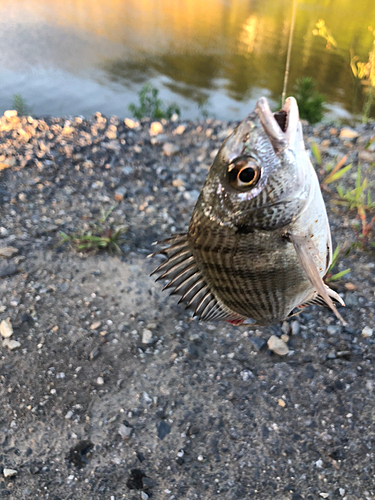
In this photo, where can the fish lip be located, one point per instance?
(280, 139)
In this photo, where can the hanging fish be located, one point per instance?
(259, 243)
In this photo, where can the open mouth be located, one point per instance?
(282, 119)
(280, 126)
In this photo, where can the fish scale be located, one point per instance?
(259, 242)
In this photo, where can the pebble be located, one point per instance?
(131, 123)
(100, 381)
(284, 337)
(281, 403)
(6, 329)
(9, 472)
(95, 325)
(94, 353)
(295, 327)
(147, 337)
(258, 342)
(367, 332)
(7, 271)
(125, 431)
(8, 252)
(348, 133)
(144, 495)
(366, 156)
(163, 429)
(11, 344)
(179, 130)
(170, 149)
(69, 415)
(178, 182)
(277, 346)
(156, 128)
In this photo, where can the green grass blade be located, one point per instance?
(339, 174)
(339, 275)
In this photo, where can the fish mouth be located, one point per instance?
(281, 127)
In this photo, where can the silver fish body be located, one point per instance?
(259, 242)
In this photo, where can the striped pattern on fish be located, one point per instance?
(258, 243)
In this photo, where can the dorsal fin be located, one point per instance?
(186, 279)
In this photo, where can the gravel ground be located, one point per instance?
(109, 389)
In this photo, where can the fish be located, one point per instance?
(259, 242)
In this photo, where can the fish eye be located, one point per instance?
(244, 173)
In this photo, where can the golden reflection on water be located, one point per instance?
(203, 45)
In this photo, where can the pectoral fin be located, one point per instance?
(305, 250)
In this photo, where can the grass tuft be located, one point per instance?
(101, 236)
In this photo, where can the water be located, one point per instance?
(75, 57)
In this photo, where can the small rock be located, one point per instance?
(366, 156)
(10, 113)
(9, 472)
(147, 337)
(295, 327)
(342, 491)
(3, 309)
(285, 327)
(125, 431)
(348, 133)
(147, 482)
(281, 403)
(156, 128)
(11, 344)
(69, 415)
(95, 325)
(163, 429)
(8, 252)
(6, 271)
(258, 342)
(120, 193)
(144, 495)
(178, 182)
(179, 130)
(324, 495)
(100, 381)
(6, 329)
(367, 332)
(131, 123)
(94, 353)
(284, 337)
(170, 149)
(277, 346)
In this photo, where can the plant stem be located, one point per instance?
(287, 66)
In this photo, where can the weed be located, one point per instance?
(322, 30)
(152, 106)
(101, 236)
(358, 199)
(316, 153)
(364, 72)
(310, 101)
(337, 172)
(337, 254)
(203, 106)
(20, 105)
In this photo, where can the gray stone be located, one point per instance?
(125, 431)
(163, 429)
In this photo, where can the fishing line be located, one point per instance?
(287, 65)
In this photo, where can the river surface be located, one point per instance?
(75, 57)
